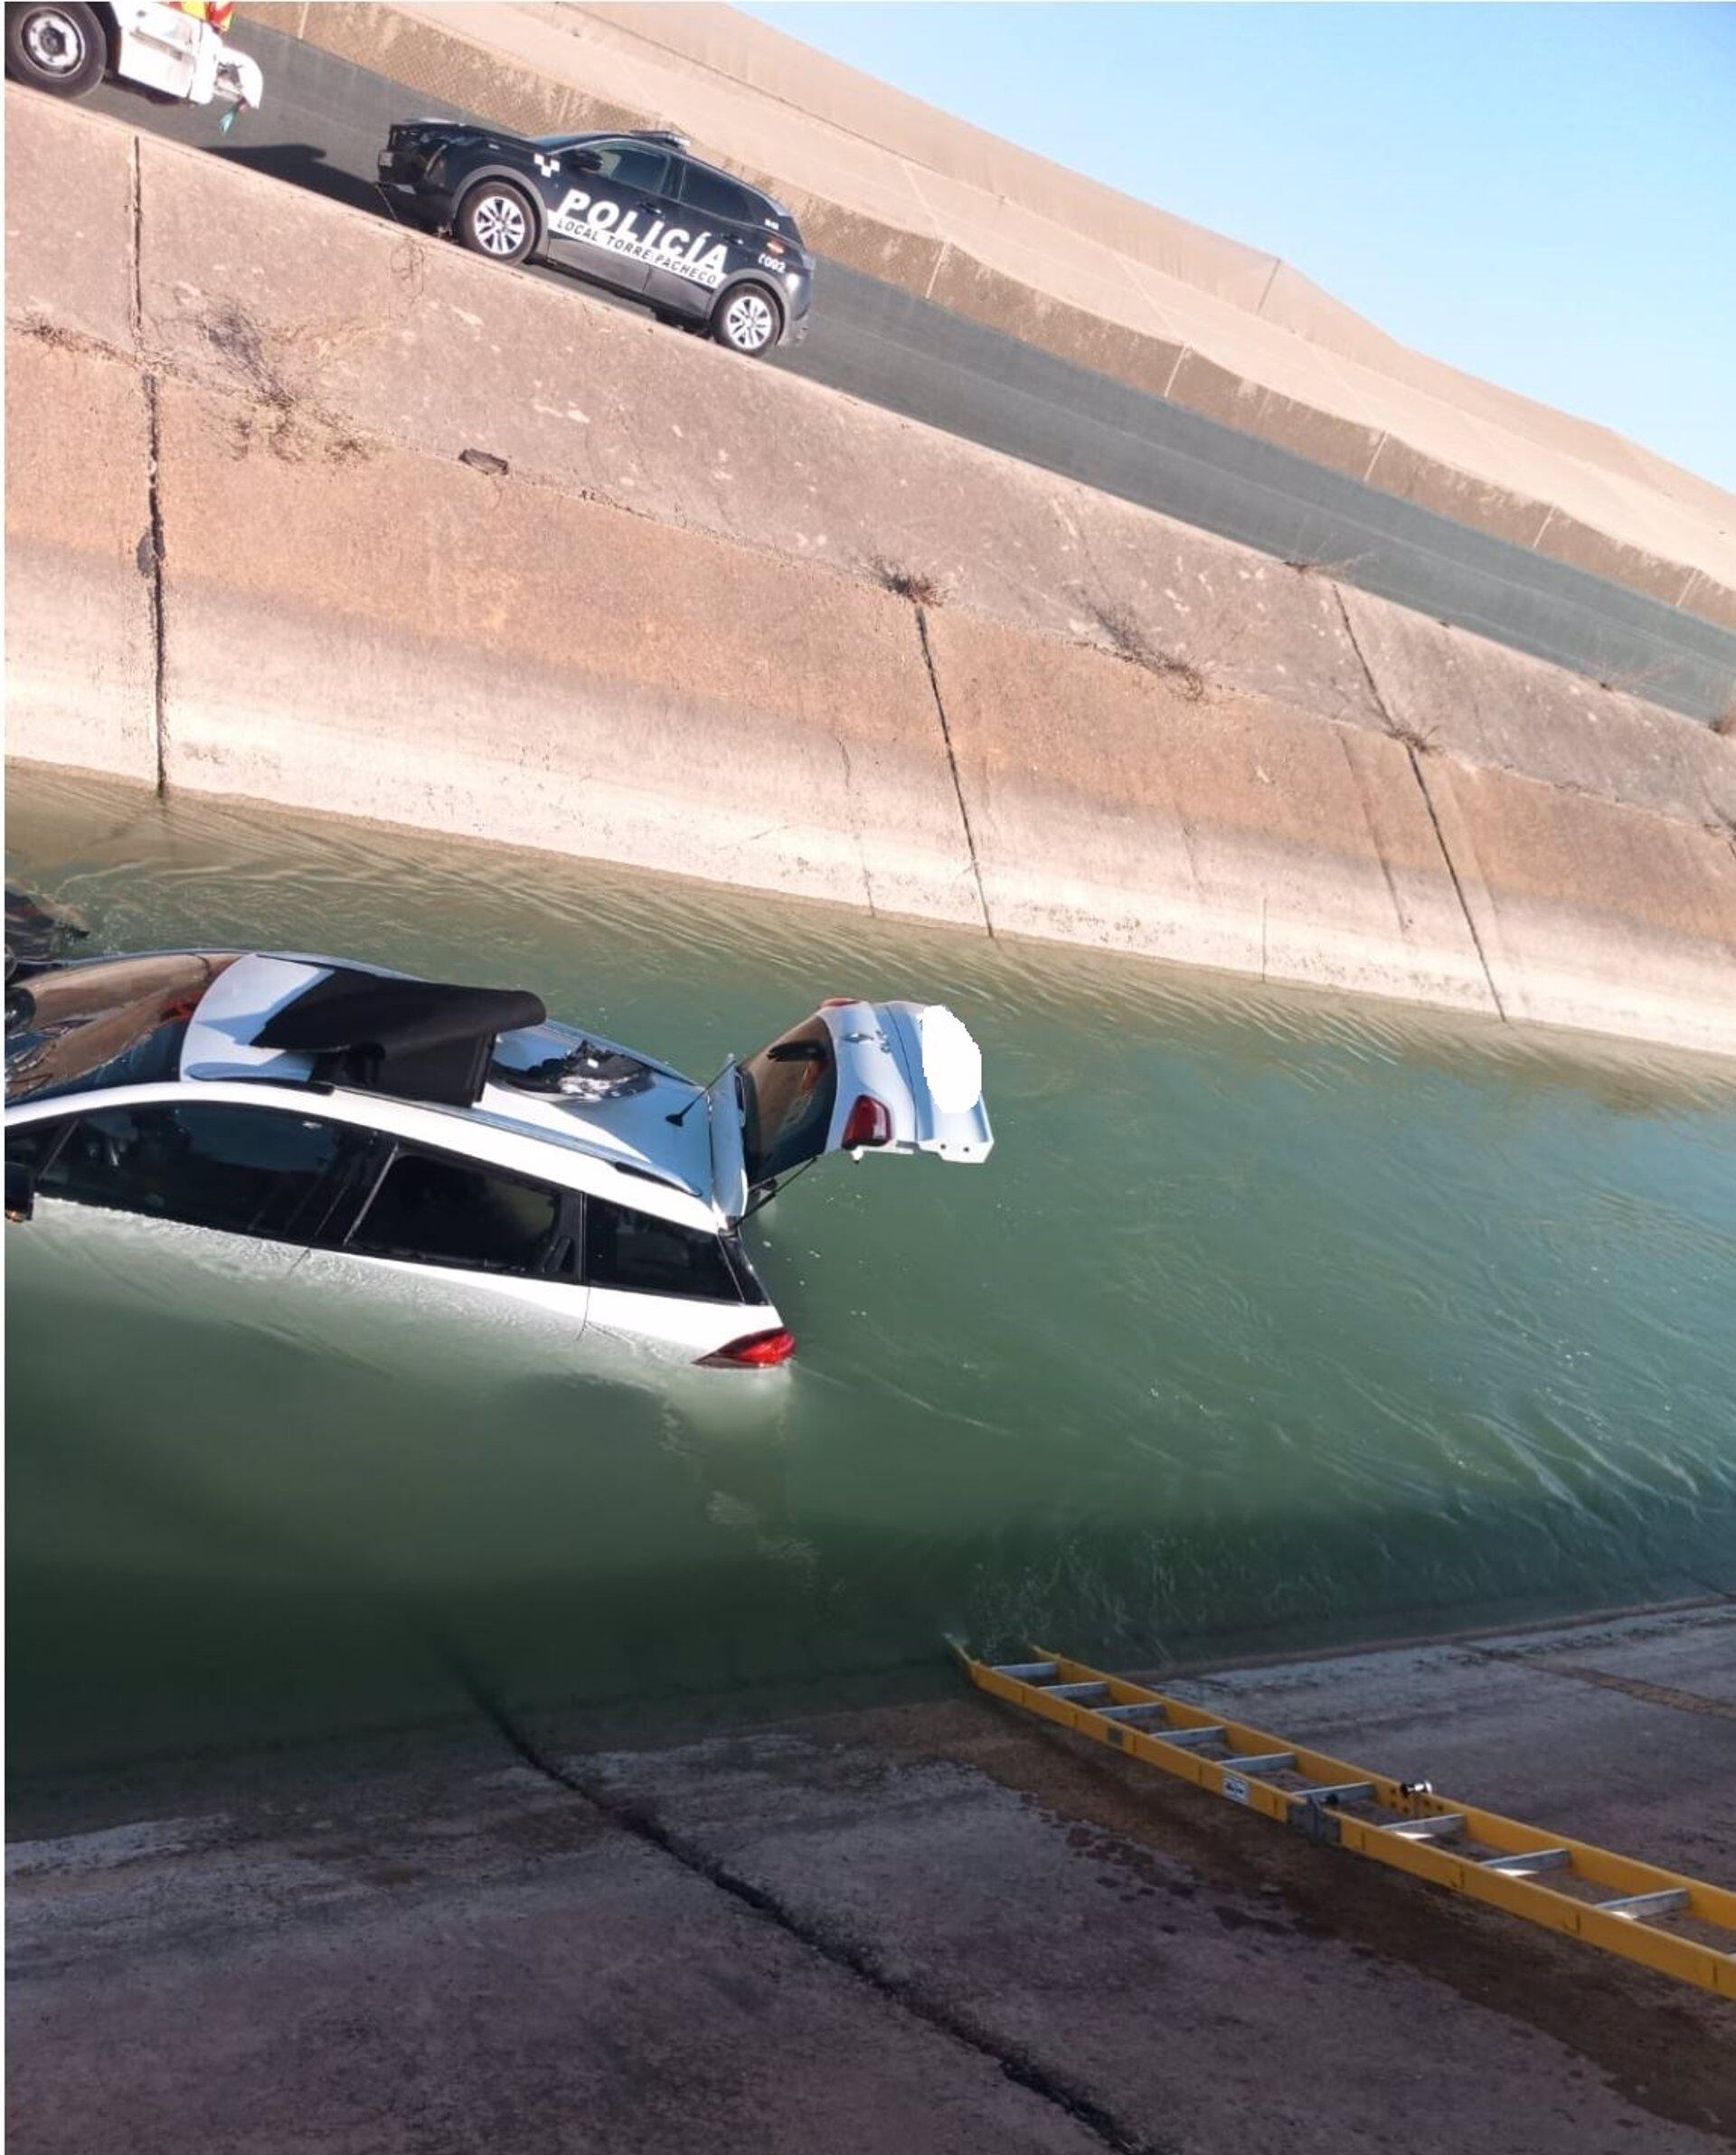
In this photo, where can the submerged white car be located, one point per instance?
(352, 1117)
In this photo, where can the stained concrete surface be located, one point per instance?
(322, 128)
(935, 1926)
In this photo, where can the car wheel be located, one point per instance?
(747, 320)
(56, 45)
(498, 220)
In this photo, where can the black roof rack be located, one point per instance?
(409, 1039)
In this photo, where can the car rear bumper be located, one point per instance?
(429, 207)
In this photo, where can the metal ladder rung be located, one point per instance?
(1532, 1859)
(1341, 1792)
(1190, 1739)
(1670, 1901)
(1028, 1672)
(1148, 1705)
(1442, 1827)
(1259, 1761)
(1078, 1692)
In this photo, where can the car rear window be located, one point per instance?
(788, 1092)
(712, 195)
(643, 1255)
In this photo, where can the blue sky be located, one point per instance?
(1543, 195)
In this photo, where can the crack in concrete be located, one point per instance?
(1409, 746)
(952, 765)
(633, 1815)
(151, 548)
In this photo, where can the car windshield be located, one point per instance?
(112, 1022)
(788, 1090)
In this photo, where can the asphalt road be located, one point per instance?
(325, 121)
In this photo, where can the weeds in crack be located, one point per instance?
(292, 427)
(1420, 740)
(1128, 641)
(906, 583)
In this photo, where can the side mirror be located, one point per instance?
(21, 1192)
(585, 160)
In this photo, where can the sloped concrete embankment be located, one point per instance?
(306, 510)
(993, 234)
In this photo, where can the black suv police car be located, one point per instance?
(633, 212)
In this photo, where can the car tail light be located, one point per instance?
(220, 15)
(758, 1350)
(870, 1123)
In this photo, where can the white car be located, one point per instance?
(307, 1110)
(66, 47)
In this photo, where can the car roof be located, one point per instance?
(629, 1149)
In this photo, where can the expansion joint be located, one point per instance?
(1409, 738)
(633, 1815)
(952, 765)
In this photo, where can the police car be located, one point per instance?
(307, 1116)
(633, 212)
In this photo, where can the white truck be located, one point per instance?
(173, 49)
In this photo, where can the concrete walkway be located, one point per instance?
(922, 1928)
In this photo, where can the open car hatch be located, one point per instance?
(855, 1077)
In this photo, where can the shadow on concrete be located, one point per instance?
(304, 165)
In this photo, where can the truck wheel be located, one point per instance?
(498, 220)
(56, 45)
(747, 319)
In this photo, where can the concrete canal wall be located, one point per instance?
(309, 510)
(921, 201)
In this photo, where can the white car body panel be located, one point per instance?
(164, 49)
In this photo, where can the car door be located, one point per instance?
(668, 1288)
(604, 217)
(463, 1229)
(241, 1185)
(700, 241)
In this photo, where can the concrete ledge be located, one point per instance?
(70, 221)
(81, 652)
(381, 635)
(625, 629)
(1108, 806)
(1591, 915)
(926, 255)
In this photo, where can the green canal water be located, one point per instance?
(1274, 1321)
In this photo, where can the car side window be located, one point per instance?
(32, 1145)
(712, 195)
(243, 1171)
(434, 1210)
(643, 1255)
(631, 165)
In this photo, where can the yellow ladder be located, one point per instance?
(1608, 1901)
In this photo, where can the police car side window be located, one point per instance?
(712, 195)
(631, 165)
(633, 1251)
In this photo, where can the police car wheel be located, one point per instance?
(747, 320)
(495, 220)
(57, 46)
